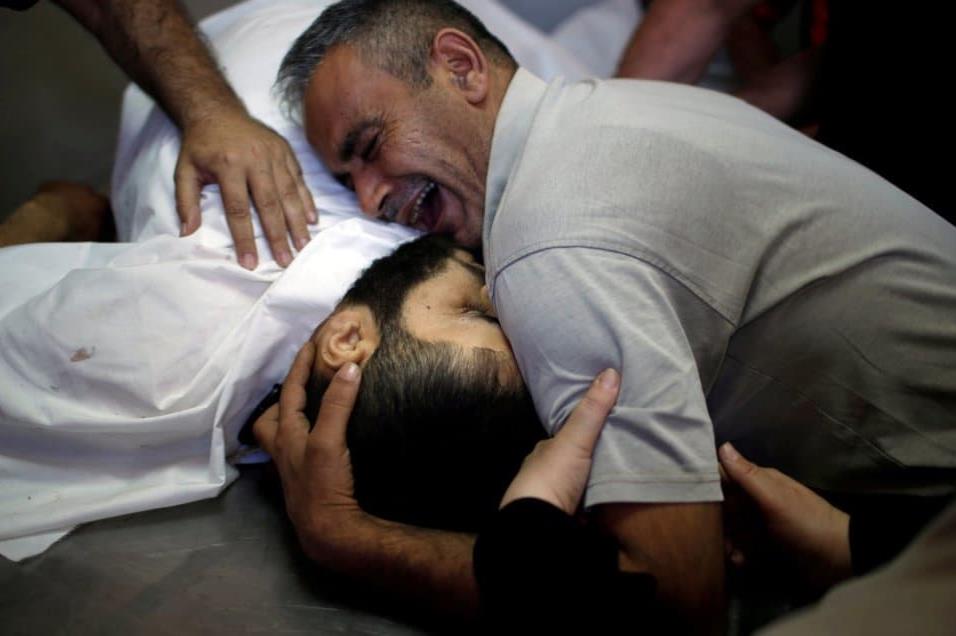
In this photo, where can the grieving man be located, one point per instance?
(738, 274)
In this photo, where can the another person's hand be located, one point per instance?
(557, 469)
(314, 467)
(245, 157)
(810, 531)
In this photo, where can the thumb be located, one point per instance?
(754, 480)
(265, 428)
(583, 427)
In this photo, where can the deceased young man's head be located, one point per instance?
(443, 419)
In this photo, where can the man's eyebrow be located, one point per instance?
(347, 149)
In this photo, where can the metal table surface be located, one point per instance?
(225, 565)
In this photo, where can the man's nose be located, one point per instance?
(371, 189)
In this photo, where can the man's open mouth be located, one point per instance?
(425, 208)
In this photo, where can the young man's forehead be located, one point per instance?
(467, 261)
(446, 280)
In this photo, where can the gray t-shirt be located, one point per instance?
(750, 285)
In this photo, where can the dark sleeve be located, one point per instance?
(879, 532)
(17, 5)
(538, 568)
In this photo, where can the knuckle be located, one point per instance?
(319, 448)
(238, 212)
(290, 195)
(277, 151)
(246, 246)
(336, 402)
(279, 445)
(267, 203)
(231, 157)
(592, 406)
(541, 448)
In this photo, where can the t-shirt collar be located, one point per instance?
(511, 131)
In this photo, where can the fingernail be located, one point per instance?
(283, 258)
(248, 261)
(609, 379)
(182, 229)
(729, 453)
(313, 217)
(349, 372)
(301, 242)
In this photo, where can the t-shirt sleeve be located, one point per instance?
(571, 312)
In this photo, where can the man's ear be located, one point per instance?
(349, 335)
(457, 59)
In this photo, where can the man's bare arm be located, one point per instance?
(154, 42)
(682, 546)
(677, 38)
(430, 570)
(158, 47)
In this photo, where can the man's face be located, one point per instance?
(415, 157)
(451, 307)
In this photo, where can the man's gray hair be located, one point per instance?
(392, 35)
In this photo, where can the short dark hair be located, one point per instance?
(393, 35)
(434, 438)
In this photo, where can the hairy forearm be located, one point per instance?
(430, 569)
(677, 38)
(158, 47)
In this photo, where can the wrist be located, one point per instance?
(336, 538)
(212, 110)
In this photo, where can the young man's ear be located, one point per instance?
(349, 335)
(457, 58)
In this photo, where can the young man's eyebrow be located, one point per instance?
(347, 149)
(477, 270)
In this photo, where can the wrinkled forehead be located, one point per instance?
(332, 94)
(342, 92)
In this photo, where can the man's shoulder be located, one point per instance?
(591, 176)
(637, 105)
